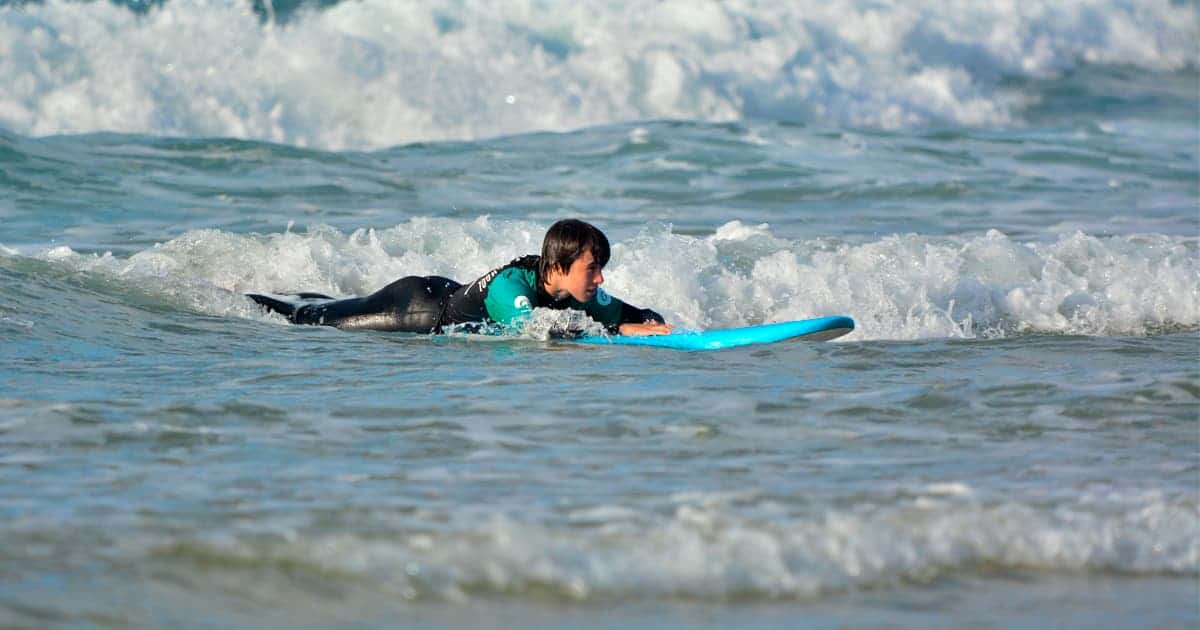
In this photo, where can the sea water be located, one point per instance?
(1004, 196)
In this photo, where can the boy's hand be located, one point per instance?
(648, 328)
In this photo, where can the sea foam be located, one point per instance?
(897, 287)
(376, 73)
(707, 548)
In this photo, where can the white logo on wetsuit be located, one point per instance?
(602, 298)
(522, 301)
(483, 282)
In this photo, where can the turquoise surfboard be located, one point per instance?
(819, 329)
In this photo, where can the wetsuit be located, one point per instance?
(505, 296)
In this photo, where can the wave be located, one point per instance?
(736, 546)
(898, 287)
(375, 73)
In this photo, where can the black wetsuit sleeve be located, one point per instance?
(633, 315)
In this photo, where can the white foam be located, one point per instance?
(899, 287)
(715, 548)
(376, 73)
(913, 286)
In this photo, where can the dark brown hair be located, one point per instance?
(566, 241)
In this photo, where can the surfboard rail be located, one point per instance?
(817, 329)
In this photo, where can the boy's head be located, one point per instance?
(566, 241)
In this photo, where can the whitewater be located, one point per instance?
(369, 75)
(1004, 196)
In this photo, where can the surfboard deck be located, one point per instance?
(818, 329)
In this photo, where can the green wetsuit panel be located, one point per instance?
(513, 293)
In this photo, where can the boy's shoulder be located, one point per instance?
(514, 279)
(519, 271)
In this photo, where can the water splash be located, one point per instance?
(376, 73)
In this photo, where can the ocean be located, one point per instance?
(1004, 196)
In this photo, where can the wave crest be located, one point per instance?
(377, 73)
(898, 287)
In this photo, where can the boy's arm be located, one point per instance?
(614, 313)
(634, 315)
(510, 301)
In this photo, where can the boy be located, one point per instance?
(566, 275)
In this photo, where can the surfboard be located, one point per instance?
(819, 329)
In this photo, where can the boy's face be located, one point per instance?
(581, 280)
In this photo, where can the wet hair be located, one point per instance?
(566, 241)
